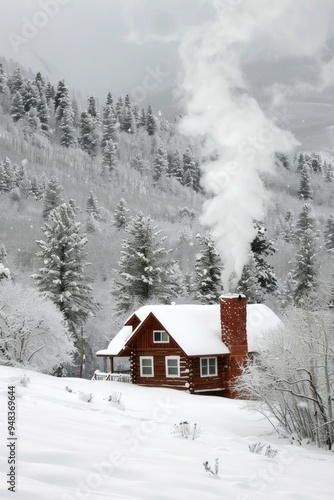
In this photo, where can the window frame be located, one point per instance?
(160, 341)
(208, 366)
(167, 358)
(141, 359)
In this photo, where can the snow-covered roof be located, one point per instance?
(196, 328)
(260, 320)
(117, 343)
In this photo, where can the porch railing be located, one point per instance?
(112, 377)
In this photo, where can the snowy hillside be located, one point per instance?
(68, 448)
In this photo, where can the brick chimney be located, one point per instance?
(233, 316)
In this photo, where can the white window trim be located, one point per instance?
(178, 366)
(160, 341)
(141, 358)
(210, 374)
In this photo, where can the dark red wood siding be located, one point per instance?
(212, 382)
(159, 362)
(145, 341)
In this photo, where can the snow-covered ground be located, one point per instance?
(68, 448)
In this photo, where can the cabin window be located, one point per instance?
(160, 336)
(146, 366)
(208, 367)
(172, 366)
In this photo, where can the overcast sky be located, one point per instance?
(99, 45)
(102, 45)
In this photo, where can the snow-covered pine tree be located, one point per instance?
(208, 268)
(151, 125)
(33, 124)
(52, 198)
(249, 284)
(128, 123)
(40, 83)
(139, 164)
(127, 101)
(146, 272)
(22, 180)
(43, 114)
(289, 227)
(91, 224)
(287, 291)
(329, 172)
(62, 90)
(92, 206)
(300, 159)
(305, 191)
(109, 129)
(92, 109)
(88, 137)
(175, 167)
(142, 119)
(261, 248)
(121, 214)
(76, 113)
(37, 189)
(119, 109)
(5, 96)
(15, 81)
(17, 107)
(109, 159)
(109, 100)
(306, 220)
(136, 115)
(329, 233)
(30, 95)
(7, 176)
(305, 269)
(62, 276)
(3, 80)
(62, 101)
(189, 168)
(316, 163)
(67, 130)
(160, 164)
(283, 159)
(50, 93)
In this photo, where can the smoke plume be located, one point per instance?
(241, 138)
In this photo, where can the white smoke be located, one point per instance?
(219, 106)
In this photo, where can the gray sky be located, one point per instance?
(100, 45)
(116, 45)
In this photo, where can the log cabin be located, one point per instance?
(195, 348)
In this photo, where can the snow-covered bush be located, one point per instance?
(213, 471)
(86, 397)
(187, 430)
(24, 379)
(116, 398)
(258, 447)
(292, 377)
(32, 330)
